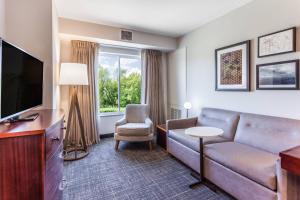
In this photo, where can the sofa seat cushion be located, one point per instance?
(134, 129)
(190, 141)
(255, 164)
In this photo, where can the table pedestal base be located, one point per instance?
(201, 181)
(196, 131)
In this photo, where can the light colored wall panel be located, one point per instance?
(28, 24)
(250, 21)
(177, 78)
(2, 18)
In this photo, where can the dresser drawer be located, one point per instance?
(54, 175)
(54, 138)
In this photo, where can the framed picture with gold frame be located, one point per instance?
(233, 67)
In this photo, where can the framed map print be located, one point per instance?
(232, 67)
(277, 43)
(278, 76)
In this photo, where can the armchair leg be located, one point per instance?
(150, 145)
(117, 145)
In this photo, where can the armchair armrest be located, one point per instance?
(181, 123)
(150, 123)
(120, 122)
(281, 176)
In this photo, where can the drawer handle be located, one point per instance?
(64, 128)
(55, 138)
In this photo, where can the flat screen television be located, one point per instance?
(21, 81)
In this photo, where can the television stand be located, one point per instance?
(30, 117)
(31, 158)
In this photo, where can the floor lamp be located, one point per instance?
(74, 74)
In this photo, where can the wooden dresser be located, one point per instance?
(31, 163)
(290, 161)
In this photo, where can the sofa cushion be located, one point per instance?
(190, 141)
(134, 129)
(223, 119)
(272, 134)
(250, 162)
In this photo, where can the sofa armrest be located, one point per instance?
(181, 123)
(150, 123)
(281, 176)
(120, 122)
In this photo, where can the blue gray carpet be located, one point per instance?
(132, 173)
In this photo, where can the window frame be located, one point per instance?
(120, 56)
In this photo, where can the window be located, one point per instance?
(119, 79)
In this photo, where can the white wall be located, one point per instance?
(28, 24)
(55, 57)
(2, 18)
(177, 79)
(250, 21)
(111, 35)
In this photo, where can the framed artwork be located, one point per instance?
(278, 76)
(279, 42)
(232, 67)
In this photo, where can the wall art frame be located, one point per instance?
(232, 67)
(276, 43)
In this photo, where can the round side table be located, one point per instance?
(202, 132)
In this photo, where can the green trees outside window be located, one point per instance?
(127, 71)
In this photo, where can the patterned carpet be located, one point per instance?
(132, 173)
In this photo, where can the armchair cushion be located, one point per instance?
(136, 113)
(192, 142)
(134, 129)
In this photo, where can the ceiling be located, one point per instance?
(165, 17)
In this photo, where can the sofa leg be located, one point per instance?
(117, 145)
(150, 145)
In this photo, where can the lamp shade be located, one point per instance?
(73, 74)
(187, 105)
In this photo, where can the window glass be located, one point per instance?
(130, 82)
(108, 83)
(119, 81)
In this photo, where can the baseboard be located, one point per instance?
(109, 135)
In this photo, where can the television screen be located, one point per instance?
(21, 80)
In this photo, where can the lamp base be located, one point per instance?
(75, 154)
(75, 151)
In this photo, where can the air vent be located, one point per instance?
(126, 35)
(175, 113)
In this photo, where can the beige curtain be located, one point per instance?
(154, 84)
(85, 52)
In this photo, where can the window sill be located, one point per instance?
(111, 114)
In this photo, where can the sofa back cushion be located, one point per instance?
(136, 113)
(223, 119)
(272, 134)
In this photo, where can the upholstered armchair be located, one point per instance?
(136, 125)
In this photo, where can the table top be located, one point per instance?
(204, 131)
(290, 160)
(162, 127)
(47, 118)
